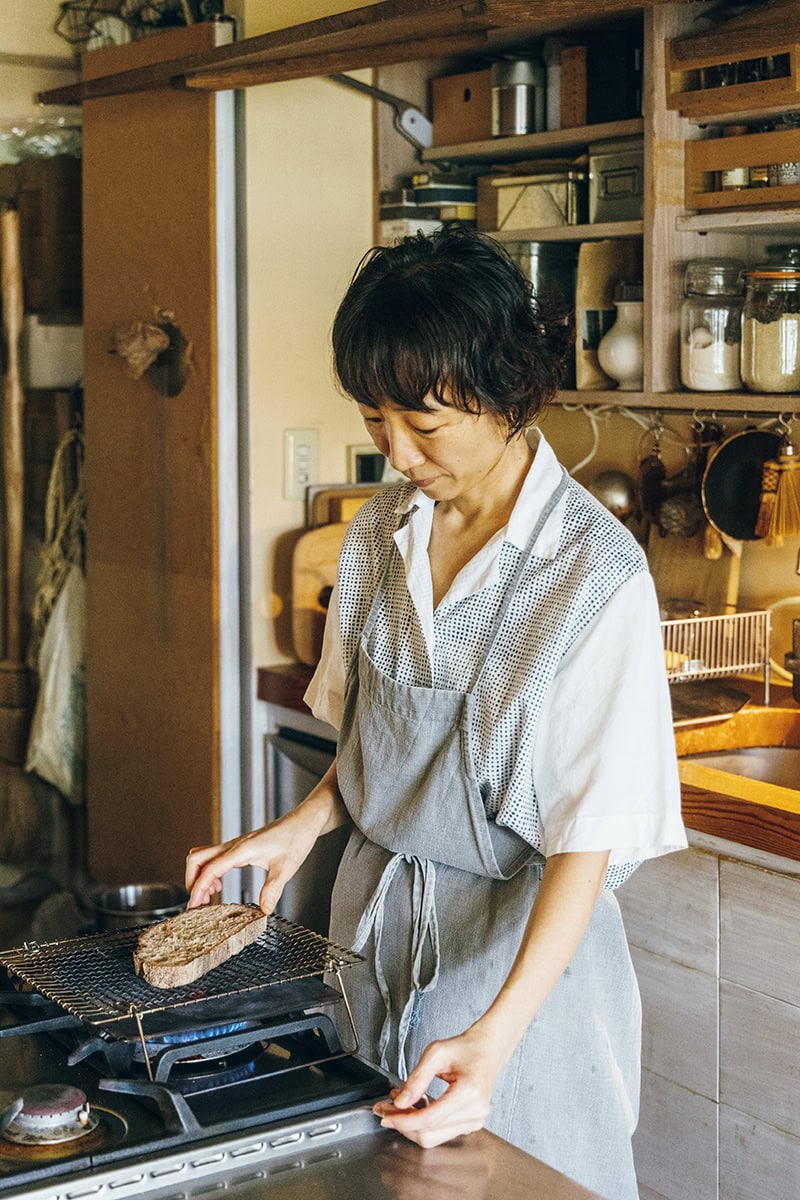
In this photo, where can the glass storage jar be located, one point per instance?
(771, 323)
(711, 320)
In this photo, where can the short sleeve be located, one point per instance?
(325, 693)
(604, 766)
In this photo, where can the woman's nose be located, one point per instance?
(403, 451)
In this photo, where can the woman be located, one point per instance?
(493, 662)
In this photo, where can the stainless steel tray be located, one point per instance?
(93, 977)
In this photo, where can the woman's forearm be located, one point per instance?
(571, 885)
(324, 805)
(280, 848)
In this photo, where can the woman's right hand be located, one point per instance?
(280, 848)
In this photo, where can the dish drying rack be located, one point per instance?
(711, 647)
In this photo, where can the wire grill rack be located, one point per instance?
(93, 977)
(711, 647)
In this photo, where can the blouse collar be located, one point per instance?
(539, 484)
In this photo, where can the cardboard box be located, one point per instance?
(573, 87)
(462, 107)
(531, 201)
(600, 266)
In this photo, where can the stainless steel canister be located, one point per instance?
(519, 90)
(552, 268)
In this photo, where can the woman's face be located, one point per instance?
(445, 452)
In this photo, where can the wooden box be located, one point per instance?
(705, 158)
(462, 107)
(741, 49)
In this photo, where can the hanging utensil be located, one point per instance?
(731, 486)
(652, 474)
(779, 511)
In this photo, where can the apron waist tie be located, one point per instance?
(424, 927)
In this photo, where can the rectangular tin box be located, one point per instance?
(616, 180)
(508, 202)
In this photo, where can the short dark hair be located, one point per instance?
(449, 316)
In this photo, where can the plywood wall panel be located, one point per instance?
(152, 651)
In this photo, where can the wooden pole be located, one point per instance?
(13, 412)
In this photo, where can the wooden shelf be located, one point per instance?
(745, 221)
(533, 145)
(570, 233)
(381, 33)
(720, 402)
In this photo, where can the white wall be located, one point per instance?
(309, 220)
(28, 50)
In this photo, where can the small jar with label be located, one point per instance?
(733, 179)
(785, 174)
(771, 323)
(711, 318)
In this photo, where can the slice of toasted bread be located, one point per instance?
(179, 950)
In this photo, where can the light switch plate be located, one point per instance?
(300, 461)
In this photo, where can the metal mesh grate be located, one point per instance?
(711, 647)
(93, 977)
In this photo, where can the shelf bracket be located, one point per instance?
(409, 122)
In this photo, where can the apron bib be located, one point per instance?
(437, 895)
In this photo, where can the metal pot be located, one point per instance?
(137, 904)
(731, 490)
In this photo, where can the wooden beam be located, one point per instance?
(374, 35)
(278, 70)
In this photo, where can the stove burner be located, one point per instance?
(110, 1130)
(187, 1036)
(51, 1114)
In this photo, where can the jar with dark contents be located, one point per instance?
(771, 323)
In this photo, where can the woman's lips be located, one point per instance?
(423, 483)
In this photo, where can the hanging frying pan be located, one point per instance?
(731, 489)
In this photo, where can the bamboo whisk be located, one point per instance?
(779, 512)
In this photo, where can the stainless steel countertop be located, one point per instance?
(342, 1155)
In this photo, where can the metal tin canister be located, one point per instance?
(508, 202)
(616, 180)
(519, 90)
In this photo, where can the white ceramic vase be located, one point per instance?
(620, 350)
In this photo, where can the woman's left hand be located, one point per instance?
(468, 1064)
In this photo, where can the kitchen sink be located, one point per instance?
(779, 765)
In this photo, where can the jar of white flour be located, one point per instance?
(711, 318)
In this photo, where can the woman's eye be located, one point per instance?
(425, 431)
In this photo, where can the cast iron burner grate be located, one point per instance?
(93, 977)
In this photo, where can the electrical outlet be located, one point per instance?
(300, 461)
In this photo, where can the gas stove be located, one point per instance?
(110, 1088)
(238, 1084)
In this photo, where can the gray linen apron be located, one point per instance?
(437, 896)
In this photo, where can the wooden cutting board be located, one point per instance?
(314, 564)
